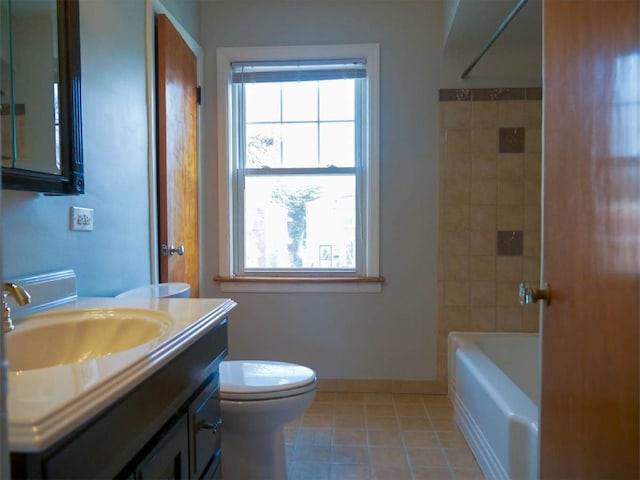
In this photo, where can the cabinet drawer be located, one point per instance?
(206, 426)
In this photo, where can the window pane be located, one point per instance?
(263, 145)
(337, 100)
(302, 221)
(299, 101)
(300, 145)
(337, 144)
(262, 102)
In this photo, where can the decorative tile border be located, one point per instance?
(455, 95)
(489, 94)
(534, 93)
(5, 109)
(492, 94)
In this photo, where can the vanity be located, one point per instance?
(148, 410)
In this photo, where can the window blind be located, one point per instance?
(297, 71)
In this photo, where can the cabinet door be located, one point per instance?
(206, 425)
(169, 459)
(213, 472)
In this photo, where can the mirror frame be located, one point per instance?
(71, 179)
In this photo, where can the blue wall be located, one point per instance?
(116, 255)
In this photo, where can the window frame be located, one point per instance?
(367, 279)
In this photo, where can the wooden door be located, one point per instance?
(177, 157)
(591, 240)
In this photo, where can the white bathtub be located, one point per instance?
(494, 384)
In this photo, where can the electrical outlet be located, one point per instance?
(81, 219)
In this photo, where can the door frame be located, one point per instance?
(153, 8)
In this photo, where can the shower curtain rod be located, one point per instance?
(494, 37)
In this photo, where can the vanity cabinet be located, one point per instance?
(168, 427)
(189, 445)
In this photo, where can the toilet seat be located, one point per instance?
(249, 380)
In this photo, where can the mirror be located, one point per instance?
(40, 96)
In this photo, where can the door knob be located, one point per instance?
(172, 250)
(529, 294)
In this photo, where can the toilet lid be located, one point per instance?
(158, 290)
(263, 379)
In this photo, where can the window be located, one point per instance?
(299, 163)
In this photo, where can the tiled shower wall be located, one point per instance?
(489, 225)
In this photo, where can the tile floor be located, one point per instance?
(374, 436)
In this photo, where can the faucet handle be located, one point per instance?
(16, 291)
(22, 297)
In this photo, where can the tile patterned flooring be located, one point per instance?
(378, 436)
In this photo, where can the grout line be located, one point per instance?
(411, 469)
(442, 449)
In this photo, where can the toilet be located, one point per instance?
(257, 399)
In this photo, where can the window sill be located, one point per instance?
(300, 284)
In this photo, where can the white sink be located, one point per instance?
(73, 336)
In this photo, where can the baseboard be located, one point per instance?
(428, 387)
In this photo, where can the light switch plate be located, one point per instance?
(81, 219)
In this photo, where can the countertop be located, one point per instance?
(46, 404)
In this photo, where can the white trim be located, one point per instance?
(372, 208)
(151, 139)
(287, 287)
(224, 56)
(153, 8)
(227, 55)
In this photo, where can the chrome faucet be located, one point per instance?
(21, 296)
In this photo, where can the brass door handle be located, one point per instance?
(529, 294)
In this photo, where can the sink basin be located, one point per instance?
(60, 338)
